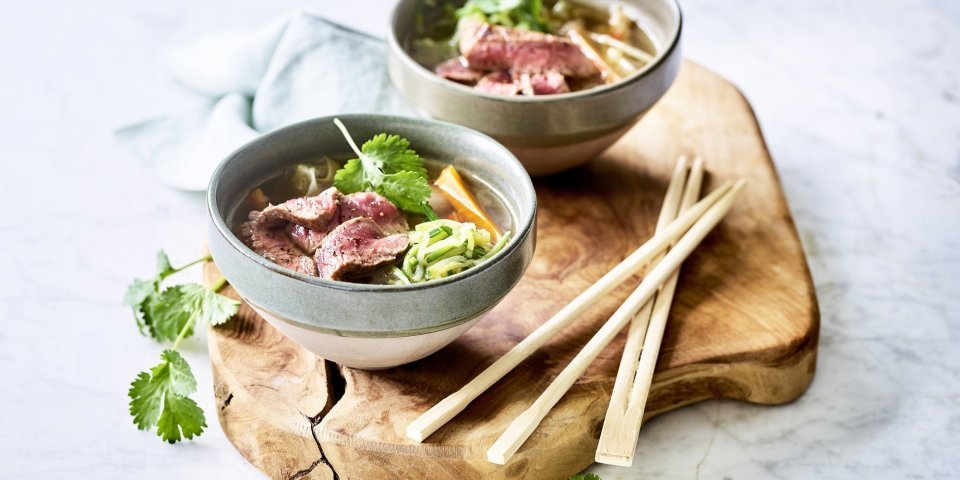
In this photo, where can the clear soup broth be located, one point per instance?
(610, 38)
(313, 176)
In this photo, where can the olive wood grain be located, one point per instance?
(744, 324)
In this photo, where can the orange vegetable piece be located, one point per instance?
(257, 199)
(465, 205)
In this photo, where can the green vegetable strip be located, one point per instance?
(441, 248)
(400, 276)
(499, 245)
(439, 254)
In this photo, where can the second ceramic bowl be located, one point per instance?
(549, 133)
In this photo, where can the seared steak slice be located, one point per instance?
(304, 238)
(346, 234)
(357, 246)
(500, 83)
(455, 69)
(276, 246)
(311, 212)
(375, 207)
(488, 47)
(547, 83)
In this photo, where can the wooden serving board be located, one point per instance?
(744, 324)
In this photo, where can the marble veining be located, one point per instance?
(859, 104)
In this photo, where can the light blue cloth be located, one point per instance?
(295, 68)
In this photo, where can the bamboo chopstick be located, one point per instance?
(521, 428)
(431, 420)
(638, 327)
(618, 439)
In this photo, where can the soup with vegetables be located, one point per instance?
(387, 216)
(530, 47)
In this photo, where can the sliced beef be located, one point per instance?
(311, 212)
(457, 70)
(304, 238)
(357, 246)
(275, 245)
(488, 47)
(547, 83)
(375, 207)
(342, 234)
(500, 83)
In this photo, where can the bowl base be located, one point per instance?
(547, 160)
(368, 353)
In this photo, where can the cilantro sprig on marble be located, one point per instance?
(387, 165)
(160, 397)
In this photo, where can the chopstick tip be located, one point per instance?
(497, 458)
(698, 162)
(612, 459)
(414, 434)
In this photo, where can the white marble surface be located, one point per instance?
(860, 102)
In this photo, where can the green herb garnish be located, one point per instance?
(526, 14)
(585, 476)
(160, 397)
(388, 166)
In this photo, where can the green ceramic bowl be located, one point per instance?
(359, 325)
(548, 133)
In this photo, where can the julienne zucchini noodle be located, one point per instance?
(441, 248)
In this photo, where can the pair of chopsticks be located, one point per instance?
(684, 232)
(618, 438)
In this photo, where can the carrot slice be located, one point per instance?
(465, 205)
(257, 199)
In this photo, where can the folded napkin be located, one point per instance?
(295, 68)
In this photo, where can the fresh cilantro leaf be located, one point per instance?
(585, 476)
(146, 401)
(184, 304)
(493, 6)
(212, 308)
(149, 310)
(388, 166)
(526, 14)
(180, 414)
(408, 189)
(142, 294)
(164, 269)
(166, 315)
(137, 294)
(176, 369)
(159, 398)
(138, 291)
(392, 154)
(350, 178)
(353, 177)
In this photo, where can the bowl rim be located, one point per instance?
(525, 224)
(394, 44)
